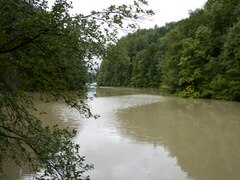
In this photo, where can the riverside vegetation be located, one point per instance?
(49, 51)
(196, 57)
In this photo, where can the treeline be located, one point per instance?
(195, 57)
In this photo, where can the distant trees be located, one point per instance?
(195, 57)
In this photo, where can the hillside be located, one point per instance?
(196, 57)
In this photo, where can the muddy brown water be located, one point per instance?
(142, 135)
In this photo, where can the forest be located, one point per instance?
(196, 57)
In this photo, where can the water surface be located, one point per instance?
(141, 135)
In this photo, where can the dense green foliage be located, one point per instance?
(49, 51)
(195, 57)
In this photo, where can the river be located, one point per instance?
(141, 135)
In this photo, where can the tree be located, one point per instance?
(226, 84)
(49, 51)
(170, 60)
(194, 56)
(131, 61)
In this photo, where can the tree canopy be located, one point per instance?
(195, 57)
(49, 51)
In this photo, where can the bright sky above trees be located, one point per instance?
(166, 10)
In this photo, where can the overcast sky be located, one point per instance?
(166, 10)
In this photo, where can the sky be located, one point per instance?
(166, 10)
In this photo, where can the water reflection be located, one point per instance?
(141, 135)
(203, 135)
(117, 155)
(13, 172)
(118, 91)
